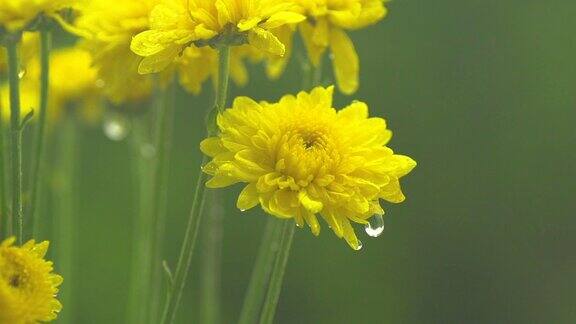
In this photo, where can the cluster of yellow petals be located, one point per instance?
(107, 28)
(176, 24)
(16, 15)
(28, 286)
(301, 158)
(326, 28)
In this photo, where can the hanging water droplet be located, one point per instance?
(359, 246)
(116, 128)
(21, 73)
(375, 226)
(242, 209)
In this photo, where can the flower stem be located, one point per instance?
(261, 272)
(277, 276)
(141, 261)
(196, 212)
(5, 225)
(211, 265)
(15, 136)
(39, 138)
(163, 143)
(65, 214)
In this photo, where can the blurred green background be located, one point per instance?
(482, 95)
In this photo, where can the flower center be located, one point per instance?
(15, 281)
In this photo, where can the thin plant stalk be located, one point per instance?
(261, 273)
(191, 234)
(277, 275)
(163, 142)
(211, 263)
(39, 136)
(141, 262)
(5, 225)
(15, 137)
(65, 214)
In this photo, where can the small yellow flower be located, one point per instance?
(28, 287)
(15, 15)
(175, 24)
(301, 158)
(108, 27)
(325, 28)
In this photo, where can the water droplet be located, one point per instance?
(21, 73)
(116, 128)
(375, 226)
(359, 246)
(242, 209)
(100, 83)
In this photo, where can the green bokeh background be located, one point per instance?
(482, 95)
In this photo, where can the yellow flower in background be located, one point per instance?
(28, 286)
(15, 15)
(29, 48)
(328, 21)
(196, 65)
(108, 27)
(73, 84)
(301, 158)
(175, 24)
(79, 90)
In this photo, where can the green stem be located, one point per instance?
(196, 212)
(277, 276)
(143, 223)
(211, 265)
(15, 136)
(39, 138)
(65, 214)
(261, 272)
(163, 143)
(4, 218)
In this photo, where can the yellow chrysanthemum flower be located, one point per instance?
(325, 28)
(15, 15)
(108, 27)
(175, 24)
(302, 158)
(28, 287)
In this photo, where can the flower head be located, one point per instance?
(28, 287)
(108, 27)
(300, 158)
(15, 15)
(325, 28)
(175, 24)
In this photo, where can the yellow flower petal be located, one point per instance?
(346, 62)
(266, 41)
(159, 61)
(248, 198)
(283, 18)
